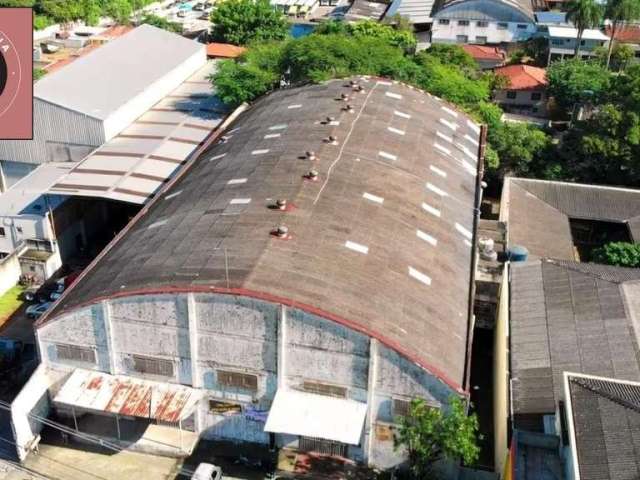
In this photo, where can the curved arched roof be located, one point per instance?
(517, 11)
(380, 242)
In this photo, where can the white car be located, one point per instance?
(207, 471)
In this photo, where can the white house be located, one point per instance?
(483, 22)
(562, 42)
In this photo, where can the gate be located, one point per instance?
(324, 447)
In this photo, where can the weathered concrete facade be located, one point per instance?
(206, 336)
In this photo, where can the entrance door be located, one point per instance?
(324, 447)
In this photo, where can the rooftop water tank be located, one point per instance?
(518, 253)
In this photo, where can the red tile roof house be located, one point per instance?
(526, 90)
(629, 34)
(486, 56)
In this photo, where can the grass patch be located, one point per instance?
(10, 302)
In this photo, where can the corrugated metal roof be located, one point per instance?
(122, 395)
(212, 228)
(606, 424)
(133, 165)
(365, 10)
(520, 11)
(417, 11)
(568, 316)
(570, 32)
(100, 83)
(316, 416)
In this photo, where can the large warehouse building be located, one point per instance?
(298, 284)
(89, 101)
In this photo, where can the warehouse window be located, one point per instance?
(153, 366)
(400, 407)
(76, 353)
(2, 232)
(511, 94)
(536, 95)
(503, 25)
(324, 389)
(244, 381)
(522, 26)
(443, 21)
(463, 23)
(224, 408)
(482, 24)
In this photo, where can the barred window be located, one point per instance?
(153, 366)
(76, 353)
(244, 381)
(400, 407)
(324, 389)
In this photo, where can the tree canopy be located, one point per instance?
(573, 81)
(241, 22)
(621, 254)
(584, 14)
(428, 434)
(161, 22)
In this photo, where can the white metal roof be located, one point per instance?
(23, 197)
(119, 394)
(101, 82)
(416, 11)
(318, 416)
(569, 32)
(133, 165)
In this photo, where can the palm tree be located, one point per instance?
(620, 12)
(583, 14)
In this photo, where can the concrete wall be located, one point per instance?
(19, 228)
(9, 272)
(501, 376)
(494, 35)
(204, 334)
(59, 134)
(523, 101)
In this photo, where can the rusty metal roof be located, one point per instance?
(122, 395)
(379, 241)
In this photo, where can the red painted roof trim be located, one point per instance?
(284, 301)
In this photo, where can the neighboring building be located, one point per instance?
(628, 35)
(418, 12)
(89, 101)
(562, 42)
(561, 315)
(366, 10)
(555, 18)
(496, 22)
(224, 50)
(487, 57)
(526, 90)
(307, 324)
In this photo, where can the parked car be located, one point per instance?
(181, 14)
(30, 293)
(36, 311)
(207, 471)
(198, 7)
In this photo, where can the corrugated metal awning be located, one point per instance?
(317, 416)
(119, 394)
(133, 165)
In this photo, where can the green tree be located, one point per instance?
(16, 3)
(119, 10)
(429, 435)
(571, 81)
(91, 11)
(584, 14)
(41, 22)
(454, 55)
(38, 73)
(241, 22)
(620, 12)
(621, 254)
(161, 22)
(404, 39)
(62, 11)
(521, 148)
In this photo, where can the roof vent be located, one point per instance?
(282, 232)
(331, 119)
(331, 139)
(358, 88)
(281, 203)
(311, 155)
(353, 83)
(344, 97)
(348, 108)
(312, 175)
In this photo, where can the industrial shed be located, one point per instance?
(89, 101)
(305, 277)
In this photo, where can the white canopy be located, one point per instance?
(318, 416)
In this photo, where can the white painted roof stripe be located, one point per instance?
(282, 126)
(436, 190)
(388, 156)
(426, 237)
(464, 231)
(174, 194)
(217, 157)
(236, 181)
(382, 82)
(452, 125)
(438, 171)
(397, 96)
(421, 277)
(260, 152)
(467, 242)
(441, 148)
(467, 152)
(373, 198)
(334, 122)
(239, 201)
(430, 209)
(472, 140)
(473, 126)
(157, 224)
(401, 114)
(395, 130)
(444, 137)
(469, 168)
(356, 247)
(297, 105)
(272, 135)
(449, 111)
